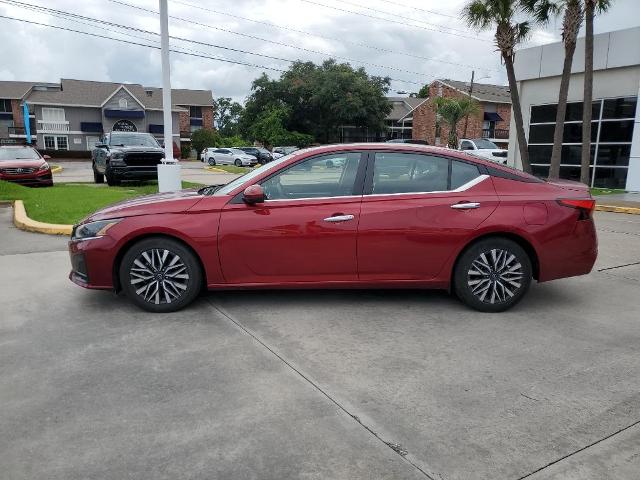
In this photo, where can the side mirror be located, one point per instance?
(46, 157)
(253, 194)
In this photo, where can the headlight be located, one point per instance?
(117, 156)
(93, 229)
(45, 166)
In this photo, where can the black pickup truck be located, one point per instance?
(126, 156)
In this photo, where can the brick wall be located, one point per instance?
(424, 117)
(185, 125)
(16, 110)
(207, 117)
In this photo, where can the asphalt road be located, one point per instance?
(192, 171)
(318, 385)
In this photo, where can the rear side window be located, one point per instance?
(395, 172)
(462, 173)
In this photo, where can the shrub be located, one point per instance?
(185, 150)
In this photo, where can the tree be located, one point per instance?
(320, 98)
(204, 138)
(481, 15)
(269, 129)
(590, 8)
(424, 91)
(451, 110)
(226, 116)
(543, 11)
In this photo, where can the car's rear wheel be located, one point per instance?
(97, 177)
(238, 162)
(160, 275)
(492, 275)
(212, 161)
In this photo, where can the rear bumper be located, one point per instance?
(572, 255)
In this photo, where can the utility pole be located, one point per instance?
(169, 171)
(466, 119)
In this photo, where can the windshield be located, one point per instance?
(7, 154)
(132, 140)
(483, 144)
(252, 174)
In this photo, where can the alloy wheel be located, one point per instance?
(159, 276)
(495, 276)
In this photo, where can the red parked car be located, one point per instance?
(345, 216)
(24, 165)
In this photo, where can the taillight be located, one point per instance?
(585, 205)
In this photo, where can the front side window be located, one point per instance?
(467, 146)
(324, 176)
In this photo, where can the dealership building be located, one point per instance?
(615, 130)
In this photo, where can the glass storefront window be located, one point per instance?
(611, 138)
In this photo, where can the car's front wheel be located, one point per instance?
(160, 275)
(97, 177)
(492, 275)
(212, 161)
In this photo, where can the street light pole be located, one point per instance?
(169, 171)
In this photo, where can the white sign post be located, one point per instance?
(169, 170)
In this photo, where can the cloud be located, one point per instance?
(45, 54)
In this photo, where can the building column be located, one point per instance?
(633, 174)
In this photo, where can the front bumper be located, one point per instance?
(134, 173)
(92, 263)
(36, 179)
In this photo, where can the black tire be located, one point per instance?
(97, 177)
(492, 275)
(112, 180)
(238, 162)
(173, 293)
(211, 161)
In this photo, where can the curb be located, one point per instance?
(617, 209)
(56, 168)
(23, 222)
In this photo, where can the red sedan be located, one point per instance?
(24, 165)
(345, 216)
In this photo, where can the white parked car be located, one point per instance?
(228, 156)
(484, 149)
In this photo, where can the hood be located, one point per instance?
(172, 202)
(21, 163)
(136, 149)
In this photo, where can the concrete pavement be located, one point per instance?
(331, 384)
(192, 171)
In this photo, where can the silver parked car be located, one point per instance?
(229, 156)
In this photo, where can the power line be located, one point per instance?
(173, 50)
(386, 12)
(404, 24)
(116, 25)
(324, 37)
(419, 9)
(262, 39)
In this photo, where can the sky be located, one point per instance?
(411, 41)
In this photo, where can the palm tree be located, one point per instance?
(590, 8)
(451, 110)
(542, 11)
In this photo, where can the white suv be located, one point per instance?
(484, 149)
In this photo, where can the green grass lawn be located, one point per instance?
(606, 191)
(68, 203)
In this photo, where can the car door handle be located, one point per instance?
(465, 205)
(339, 218)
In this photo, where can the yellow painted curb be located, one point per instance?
(56, 169)
(616, 209)
(214, 169)
(23, 222)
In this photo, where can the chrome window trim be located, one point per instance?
(461, 188)
(312, 198)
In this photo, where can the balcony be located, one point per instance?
(46, 126)
(497, 133)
